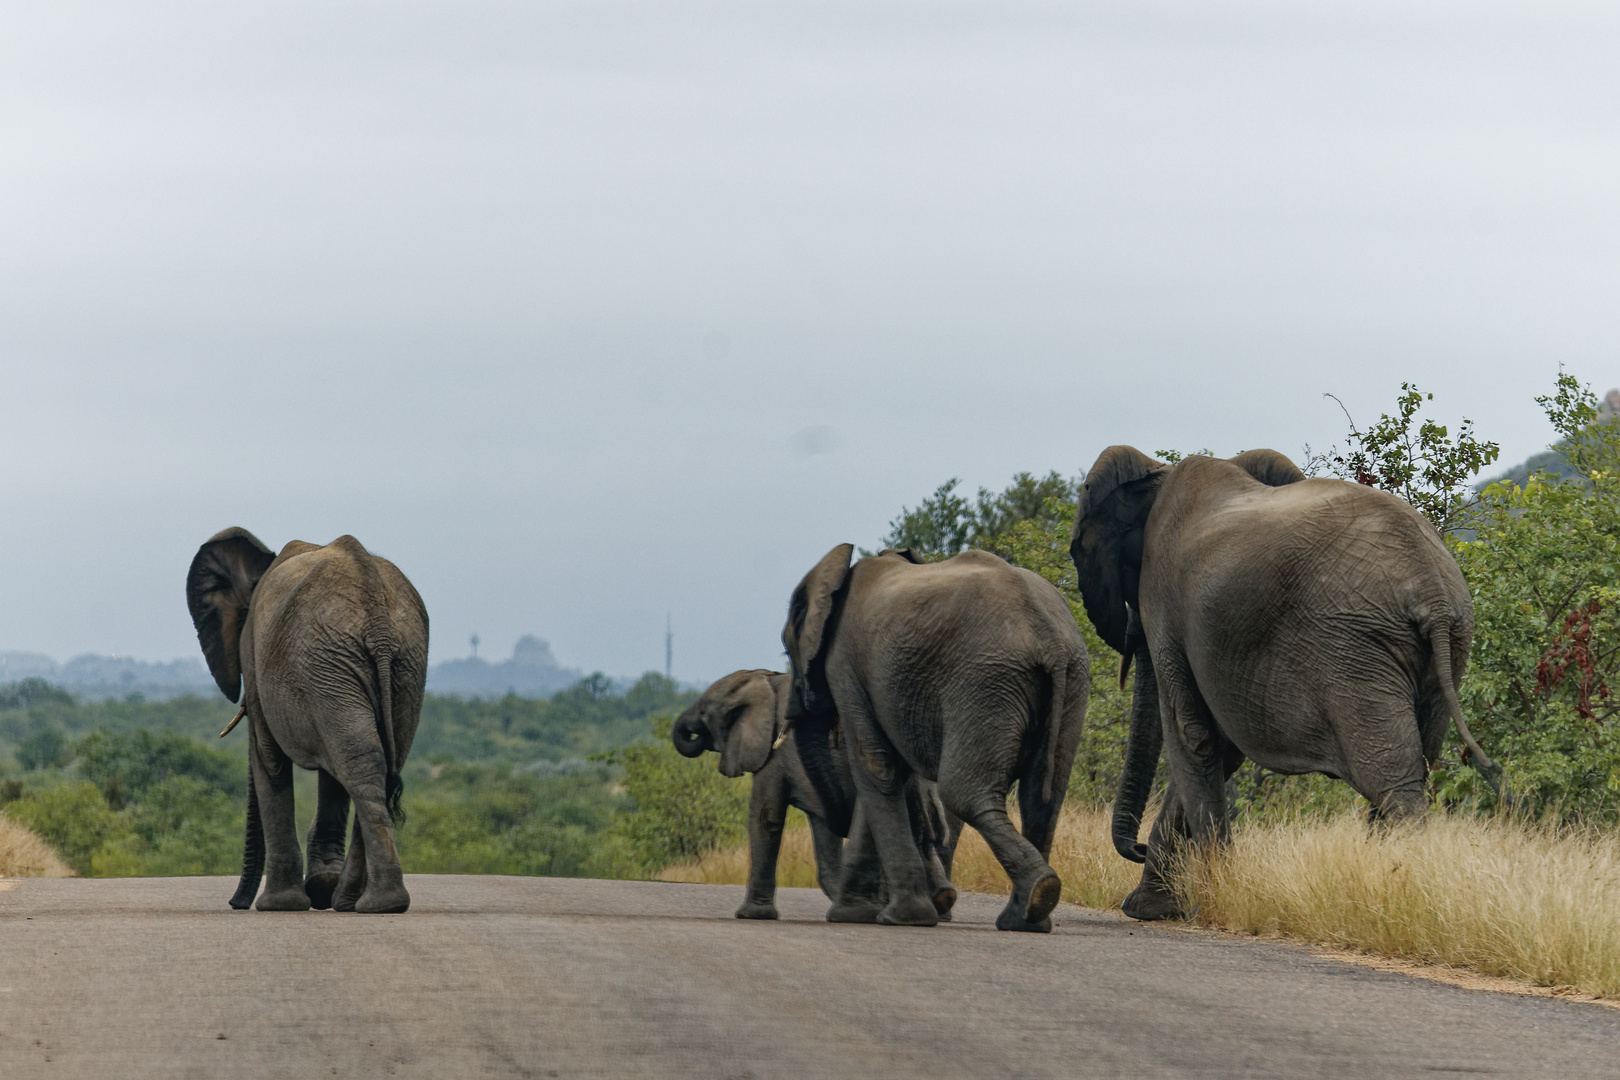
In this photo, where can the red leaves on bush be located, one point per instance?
(1572, 650)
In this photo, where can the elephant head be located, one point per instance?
(740, 716)
(219, 587)
(812, 621)
(1110, 523)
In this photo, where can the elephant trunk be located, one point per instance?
(1142, 748)
(812, 736)
(690, 735)
(252, 851)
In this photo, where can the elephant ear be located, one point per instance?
(909, 554)
(1106, 544)
(219, 587)
(754, 727)
(811, 620)
(1268, 467)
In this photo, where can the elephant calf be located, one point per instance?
(743, 717)
(326, 648)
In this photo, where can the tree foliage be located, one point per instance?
(1418, 460)
(1544, 569)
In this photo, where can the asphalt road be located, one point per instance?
(538, 977)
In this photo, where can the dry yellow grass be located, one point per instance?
(1521, 901)
(24, 854)
(795, 864)
(1530, 903)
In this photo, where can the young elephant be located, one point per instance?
(326, 648)
(968, 672)
(1309, 625)
(743, 717)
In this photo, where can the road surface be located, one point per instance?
(541, 977)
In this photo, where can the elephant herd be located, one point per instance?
(1306, 625)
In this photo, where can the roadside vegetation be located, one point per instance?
(1525, 884)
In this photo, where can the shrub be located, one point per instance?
(74, 819)
(682, 807)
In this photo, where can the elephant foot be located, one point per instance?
(1043, 897)
(320, 886)
(1151, 901)
(1012, 918)
(905, 910)
(944, 899)
(861, 910)
(385, 894)
(757, 910)
(284, 898)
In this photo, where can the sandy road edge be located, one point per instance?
(1462, 978)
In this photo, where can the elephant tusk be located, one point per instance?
(787, 729)
(237, 719)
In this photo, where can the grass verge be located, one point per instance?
(24, 854)
(1531, 903)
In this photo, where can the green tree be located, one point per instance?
(1544, 568)
(46, 748)
(1418, 460)
(680, 807)
(74, 819)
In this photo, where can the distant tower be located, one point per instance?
(475, 646)
(669, 649)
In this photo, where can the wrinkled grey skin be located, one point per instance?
(968, 672)
(741, 716)
(1307, 625)
(326, 647)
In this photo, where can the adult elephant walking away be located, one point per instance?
(326, 648)
(968, 672)
(1308, 625)
(744, 718)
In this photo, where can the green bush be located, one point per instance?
(482, 819)
(46, 748)
(74, 819)
(681, 807)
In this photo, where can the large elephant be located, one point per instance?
(968, 672)
(1307, 625)
(326, 648)
(744, 717)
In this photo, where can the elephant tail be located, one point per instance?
(1057, 707)
(252, 851)
(380, 644)
(1440, 647)
(394, 789)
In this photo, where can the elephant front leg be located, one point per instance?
(325, 842)
(1155, 895)
(284, 888)
(766, 814)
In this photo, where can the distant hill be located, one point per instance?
(531, 672)
(1551, 460)
(97, 678)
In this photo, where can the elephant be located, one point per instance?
(743, 716)
(968, 672)
(326, 649)
(1306, 625)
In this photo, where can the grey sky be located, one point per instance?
(586, 313)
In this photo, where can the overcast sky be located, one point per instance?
(588, 313)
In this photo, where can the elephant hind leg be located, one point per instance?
(284, 887)
(352, 881)
(324, 845)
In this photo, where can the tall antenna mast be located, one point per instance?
(669, 650)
